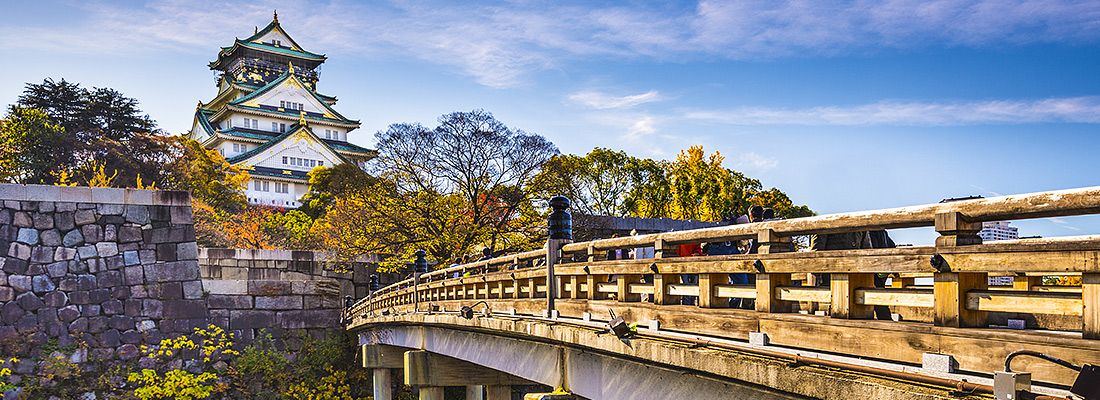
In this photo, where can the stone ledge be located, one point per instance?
(83, 194)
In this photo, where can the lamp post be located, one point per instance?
(560, 224)
(420, 266)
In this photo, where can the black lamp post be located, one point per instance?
(420, 267)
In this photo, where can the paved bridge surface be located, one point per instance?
(915, 322)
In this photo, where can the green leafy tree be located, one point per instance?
(326, 184)
(28, 151)
(207, 175)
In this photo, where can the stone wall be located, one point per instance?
(287, 293)
(110, 269)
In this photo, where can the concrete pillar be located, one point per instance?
(383, 384)
(431, 393)
(498, 392)
(475, 392)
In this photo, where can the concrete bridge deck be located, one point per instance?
(544, 316)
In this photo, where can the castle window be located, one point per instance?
(321, 163)
(274, 126)
(236, 148)
(284, 160)
(256, 185)
(266, 188)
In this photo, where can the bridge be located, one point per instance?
(912, 322)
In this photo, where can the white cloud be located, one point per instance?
(644, 126)
(604, 101)
(1070, 109)
(753, 161)
(498, 44)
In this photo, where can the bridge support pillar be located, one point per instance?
(383, 384)
(475, 392)
(431, 392)
(498, 392)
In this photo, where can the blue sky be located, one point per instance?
(844, 105)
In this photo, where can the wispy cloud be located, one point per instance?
(1063, 223)
(498, 44)
(604, 101)
(1071, 109)
(754, 161)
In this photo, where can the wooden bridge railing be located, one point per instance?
(959, 265)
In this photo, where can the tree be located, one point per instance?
(207, 175)
(28, 151)
(448, 189)
(597, 183)
(326, 184)
(100, 124)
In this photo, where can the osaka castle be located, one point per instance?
(269, 119)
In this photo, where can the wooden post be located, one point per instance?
(661, 282)
(766, 285)
(624, 282)
(1090, 296)
(498, 392)
(771, 242)
(708, 291)
(475, 392)
(842, 303)
(956, 230)
(431, 393)
(1024, 282)
(901, 283)
(575, 287)
(950, 290)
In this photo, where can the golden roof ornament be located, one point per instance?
(276, 19)
(290, 66)
(302, 118)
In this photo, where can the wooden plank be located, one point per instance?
(949, 289)
(843, 301)
(607, 287)
(766, 290)
(803, 293)
(575, 287)
(1090, 296)
(639, 288)
(736, 291)
(683, 290)
(896, 297)
(1024, 302)
(708, 291)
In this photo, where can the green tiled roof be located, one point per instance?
(281, 50)
(247, 134)
(287, 75)
(345, 146)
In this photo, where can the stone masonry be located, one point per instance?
(287, 293)
(108, 269)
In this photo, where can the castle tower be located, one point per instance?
(269, 119)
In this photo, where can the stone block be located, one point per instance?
(166, 252)
(182, 215)
(79, 325)
(278, 302)
(22, 219)
(50, 237)
(110, 233)
(269, 288)
(42, 254)
(121, 322)
(46, 207)
(192, 289)
(171, 271)
(64, 220)
(92, 233)
(135, 275)
(110, 209)
(111, 307)
(64, 254)
(72, 238)
(68, 314)
(110, 337)
(184, 309)
(5, 217)
(304, 319)
(84, 217)
(187, 251)
(7, 293)
(938, 362)
(228, 286)
(28, 236)
(168, 291)
(218, 301)
(145, 326)
(29, 301)
(11, 312)
(128, 351)
(251, 319)
(42, 221)
(136, 214)
(106, 249)
(20, 251)
(42, 284)
(114, 263)
(109, 279)
(87, 252)
(56, 299)
(58, 269)
(43, 192)
(129, 234)
(152, 308)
